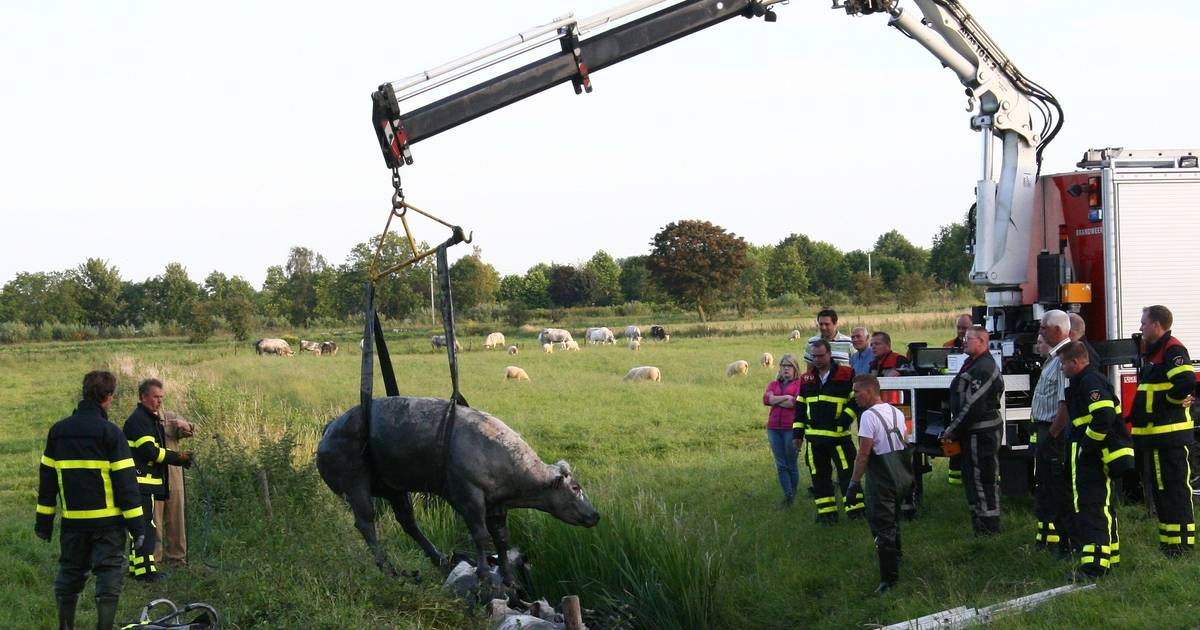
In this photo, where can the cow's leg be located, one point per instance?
(497, 524)
(403, 508)
(364, 519)
(469, 503)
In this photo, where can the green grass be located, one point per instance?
(680, 470)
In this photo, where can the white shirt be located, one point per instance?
(1051, 388)
(884, 424)
(840, 345)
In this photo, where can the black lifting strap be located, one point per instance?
(448, 323)
(373, 338)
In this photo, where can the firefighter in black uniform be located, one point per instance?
(147, 437)
(1100, 449)
(88, 462)
(975, 421)
(824, 411)
(1162, 428)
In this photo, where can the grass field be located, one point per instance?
(690, 538)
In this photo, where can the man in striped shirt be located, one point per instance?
(1049, 411)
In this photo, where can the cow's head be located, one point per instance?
(566, 500)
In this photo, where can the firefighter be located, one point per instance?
(88, 469)
(1162, 428)
(1049, 413)
(824, 411)
(961, 326)
(1100, 449)
(147, 438)
(882, 456)
(975, 421)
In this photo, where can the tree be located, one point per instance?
(827, 267)
(911, 290)
(302, 271)
(750, 291)
(786, 271)
(201, 323)
(696, 261)
(272, 299)
(512, 289)
(857, 261)
(38, 298)
(537, 287)
(399, 295)
(174, 292)
(867, 290)
(563, 287)
(608, 278)
(949, 261)
(895, 245)
(100, 292)
(473, 281)
(888, 269)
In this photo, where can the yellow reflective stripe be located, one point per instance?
(151, 480)
(1174, 401)
(109, 504)
(122, 464)
(1157, 471)
(851, 413)
(1100, 404)
(1180, 369)
(1170, 540)
(1099, 437)
(134, 513)
(101, 513)
(797, 425)
(1081, 420)
(142, 440)
(1074, 480)
(162, 454)
(1150, 429)
(1121, 452)
(45, 509)
(823, 500)
(1154, 387)
(823, 433)
(842, 456)
(1170, 527)
(93, 464)
(841, 400)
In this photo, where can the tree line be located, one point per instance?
(693, 264)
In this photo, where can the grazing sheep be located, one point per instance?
(514, 373)
(766, 360)
(634, 344)
(277, 347)
(439, 341)
(548, 348)
(493, 341)
(644, 373)
(795, 335)
(512, 349)
(738, 368)
(570, 345)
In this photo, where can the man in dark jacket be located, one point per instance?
(975, 421)
(147, 438)
(87, 467)
(824, 410)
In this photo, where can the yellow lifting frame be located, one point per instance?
(400, 208)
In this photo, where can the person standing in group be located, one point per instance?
(781, 396)
(882, 457)
(827, 327)
(1079, 333)
(1162, 428)
(170, 514)
(961, 326)
(1049, 413)
(87, 466)
(975, 421)
(146, 435)
(824, 411)
(861, 358)
(885, 362)
(1100, 449)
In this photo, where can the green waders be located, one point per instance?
(889, 480)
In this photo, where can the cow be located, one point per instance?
(633, 332)
(310, 346)
(600, 335)
(480, 466)
(328, 348)
(493, 341)
(439, 341)
(658, 332)
(277, 347)
(554, 335)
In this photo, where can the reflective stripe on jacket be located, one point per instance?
(147, 439)
(1164, 381)
(826, 410)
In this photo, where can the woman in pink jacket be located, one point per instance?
(781, 398)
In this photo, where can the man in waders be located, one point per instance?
(882, 440)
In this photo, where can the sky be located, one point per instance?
(221, 134)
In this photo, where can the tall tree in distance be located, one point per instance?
(608, 278)
(473, 281)
(303, 268)
(100, 292)
(175, 293)
(786, 271)
(949, 261)
(696, 262)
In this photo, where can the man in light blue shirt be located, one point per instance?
(862, 356)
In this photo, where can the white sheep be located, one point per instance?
(514, 373)
(634, 344)
(548, 348)
(738, 368)
(644, 373)
(512, 349)
(493, 341)
(766, 360)
(795, 335)
(570, 345)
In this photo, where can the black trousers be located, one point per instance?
(101, 552)
(1052, 494)
(1095, 527)
(980, 461)
(954, 470)
(1170, 485)
(825, 456)
(141, 559)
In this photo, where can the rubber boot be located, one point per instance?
(106, 613)
(66, 612)
(889, 570)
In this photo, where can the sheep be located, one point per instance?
(634, 344)
(795, 335)
(514, 373)
(766, 360)
(644, 373)
(738, 368)
(548, 348)
(570, 345)
(494, 340)
(512, 349)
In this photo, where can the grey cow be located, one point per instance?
(487, 470)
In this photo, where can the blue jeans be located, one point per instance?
(785, 454)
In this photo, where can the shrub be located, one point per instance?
(12, 332)
(788, 299)
(517, 313)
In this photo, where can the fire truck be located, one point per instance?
(1103, 241)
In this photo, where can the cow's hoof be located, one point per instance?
(440, 561)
